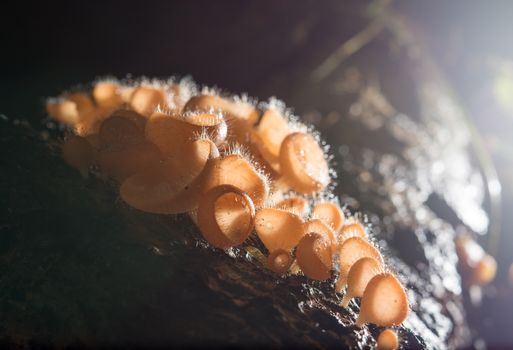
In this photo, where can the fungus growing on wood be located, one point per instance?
(388, 340)
(279, 261)
(384, 302)
(314, 256)
(359, 276)
(330, 213)
(278, 229)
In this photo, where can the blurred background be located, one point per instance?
(289, 49)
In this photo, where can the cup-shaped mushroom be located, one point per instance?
(295, 204)
(330, 213)
(83, 102)
(63, 111)
(359, 276)
(303, 163)
(226, 216)
(314, 256)
(278, 229)
(318, 226)
(388, 340)
(271, 131)
(384, 302)
(123, 162)
(354, 229)
(484, 271)
(236, 170)
(170, 133)
(144, 100)
(118, 131)
(352, 250)
(173, 186)
(107, 94)
(240, 116)
(78, 153)
(279, 261)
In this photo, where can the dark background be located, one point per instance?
(260, 47)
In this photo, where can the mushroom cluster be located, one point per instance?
(237, 168)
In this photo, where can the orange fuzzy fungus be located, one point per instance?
(271, 132)
(478, 267)
(123, 162)
(241, 116)
(354, 229)
(278, 229)
(236, 170)
(352, 250)
(484, 272)
(173, 186)
(107, 95)
(226, 216)
(170, 133)
(279, 261)
(314, 256)
(330, 213)
(144, 100)
(119, 131)
(64, 111)
(384, 302)
(78, 153)
(303, 164)
(359, 276)
(298, 205)
(318, 226)
(176, 152)
(388, 340)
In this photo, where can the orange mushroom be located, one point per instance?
(303, 163)
(173, 186)
(107, 94)
(144, 100)
(296, 204)
(314, 256)
(278, 229)
(236, 170)
(330, 213)
(269, 135)
(226, 216)
(352, 250)
(359, 276)
(279, 261)
(354, 229)
(388, 340)
(384, 302)
(170, 133)
(318, 226)
(119, 131)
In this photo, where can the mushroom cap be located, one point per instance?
(359, 276)
(298, 205)
(278, 229)
(279, 261)
(171, 133)
(107, 94)
(354, 229)
(384, 301)
(173, 186)
(119, 131)
(388, 340)
(236, 170)
(226, 216)
(352, 250)
(330, 213)
(318, 226)
(314, 256)
(144, 100)
(303, 163)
